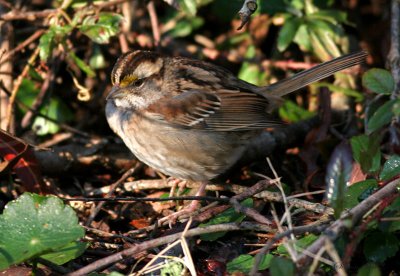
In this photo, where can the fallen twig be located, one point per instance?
(237, 189)
(128, 253)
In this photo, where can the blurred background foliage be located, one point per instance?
(56, 74)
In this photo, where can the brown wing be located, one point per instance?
(187, 109)
(226, 110)
(241, 111)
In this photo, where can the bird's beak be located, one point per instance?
(116, 92)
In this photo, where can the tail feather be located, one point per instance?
(314, 74)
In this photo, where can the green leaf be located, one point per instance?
(292, 112)
(281, 266)
(172, 268)
(100, 28)
(33, 225)
(302, 243)
(396, 108)
(380, 246)
(27, 93)
(379, 81)
(227, 216)
(42, 127)
(251, 72)
(295, 5)
(186, 26)
(392, 211)
(366, 151)
(66, 253)
(114, 273)
(323, 38)
(53, 108)
(394, 207)
(332, 16)
(356, 190)
(82, 65)
(288, 32)
(322, 26)
(391, 168)
(338, 173)
(56, 110)
(34, 75)
(244, 263)
(188, 6)
(302, 39)
(369, 269)
(55, 35)
(46, 45)
(381, 117)
(97, 60)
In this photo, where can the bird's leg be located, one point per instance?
(194, 205)
(176, 182)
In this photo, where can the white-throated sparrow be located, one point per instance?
(191, 119)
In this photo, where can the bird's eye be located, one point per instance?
(138, 83)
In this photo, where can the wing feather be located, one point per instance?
(226, 110)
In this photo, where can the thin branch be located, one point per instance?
(154, 23)
(29, 15)
(143, 199)
(249, 192)
(248, 8)
(6, 4)
(40, 97)
(237, 189)
(287, 64)
(350, 218)
(107, 4)
(137, 248)
(356, 235)
(286, 216)
(17, 84)
(38, 114)
(394, 53)
(6, 67)
(249, 212)
(34, 15)
(210, 212)
(313, 228)
(22, 45)
(394, 60)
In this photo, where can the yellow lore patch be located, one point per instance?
(127, 80)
